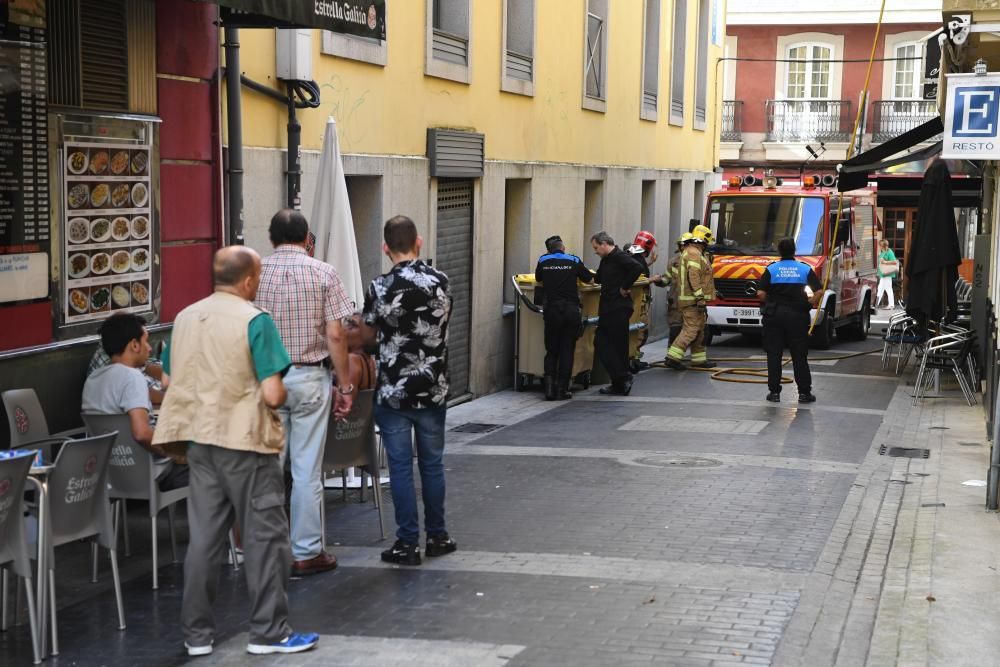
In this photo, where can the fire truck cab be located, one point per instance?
(749, 220)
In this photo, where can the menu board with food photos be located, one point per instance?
(108, 233)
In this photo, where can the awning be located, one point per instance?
(904, 191)
(854, 172)
(365, 18)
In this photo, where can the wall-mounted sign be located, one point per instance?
(365, 18)
(932, 68)
(972, 118)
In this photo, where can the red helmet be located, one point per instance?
(645, 240)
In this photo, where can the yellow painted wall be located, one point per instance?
(387, 110)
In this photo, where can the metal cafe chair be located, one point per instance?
(132, 476)
(351, 444)
(28, 426)
(77, 508)
(14, 554)
(945, 352)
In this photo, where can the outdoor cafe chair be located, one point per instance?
(132, 476)
(350, 443)
(14, 553)
(78, 508)
(28, 426)
(949, 351)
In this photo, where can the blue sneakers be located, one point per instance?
(293, 643)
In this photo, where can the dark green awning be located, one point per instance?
(365, 18)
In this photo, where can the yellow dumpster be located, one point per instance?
(529, 330)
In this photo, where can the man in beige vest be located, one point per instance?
(224, 365)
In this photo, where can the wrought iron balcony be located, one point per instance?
(732, 120)
(808, 120)
(892, 118)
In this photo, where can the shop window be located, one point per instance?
(701, 65)
(519, 47)
(449, 39)
(678, 62)
(650, 61)
(102, 55)
(595, 56)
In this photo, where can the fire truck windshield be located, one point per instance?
(753, 224)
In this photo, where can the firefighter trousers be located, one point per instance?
(562, 328)
(692, 335)
(787, 327)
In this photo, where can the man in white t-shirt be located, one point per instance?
(120, 388)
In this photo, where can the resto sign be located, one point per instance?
(972, 118)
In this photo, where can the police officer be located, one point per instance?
(558, 272)
(695, 287)
(616, 274)
(782, 291)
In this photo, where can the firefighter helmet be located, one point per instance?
(645, 240)
(704, 232)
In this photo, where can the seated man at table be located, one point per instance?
(152, 373)
(120, 388)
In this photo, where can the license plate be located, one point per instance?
(746, 312)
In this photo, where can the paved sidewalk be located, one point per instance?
(692, 523)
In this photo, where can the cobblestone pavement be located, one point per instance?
(692, 523)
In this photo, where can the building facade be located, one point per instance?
(582, 116)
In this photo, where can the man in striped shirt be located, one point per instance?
(307, 300)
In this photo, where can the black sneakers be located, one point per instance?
(774, 397)
(402, 553)
(439, 545)
(807, 398)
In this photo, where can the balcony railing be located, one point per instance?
(732, 120)
(808, 120)
(892, 118)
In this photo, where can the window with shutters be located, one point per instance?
(449, 39)
(357, 47)
(102, 55)
(650, 61)
(701, 65)
(595, 56)
(678, 62)
(518, 58)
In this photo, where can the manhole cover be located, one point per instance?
(678, 462)
(905, 452)
(476, 427)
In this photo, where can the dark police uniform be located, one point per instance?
(786, 320)
(557, 273)
(617, 271)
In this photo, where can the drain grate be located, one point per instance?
(905, 452)
(969, 444)
(932, 504)
(476, 427)
(678, 462)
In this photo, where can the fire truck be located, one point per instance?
(750, 215)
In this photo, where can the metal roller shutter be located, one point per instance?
(454, 257)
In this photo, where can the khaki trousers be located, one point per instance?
(692, 335)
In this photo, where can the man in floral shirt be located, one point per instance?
(408, 310)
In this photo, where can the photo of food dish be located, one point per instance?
(79, 300)
(140, 293)
(140, 259)
(119, 162)
(119, 196)
(140, 226)
(98, 162)
(99, 195)
(139, 162)
(119, 295)
(78, 195)
(120, 229)
(79, 230)
(121, 261)
(100, 297)
(100, 230)
(100, 263)
(79, 265)
(139, 195)
(77, 162)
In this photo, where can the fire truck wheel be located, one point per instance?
(822, 337)
(858, 330)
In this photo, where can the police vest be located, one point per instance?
(789, 272)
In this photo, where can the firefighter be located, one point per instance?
(643, 250)
(695, 287)
(558, 272)
(785, 306)
(674, 319)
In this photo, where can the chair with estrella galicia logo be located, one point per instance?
(78, 508)
(28, 426)
(13, 544)
(350, 443)
(132, 475)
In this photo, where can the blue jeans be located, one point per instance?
(397, 427)
(306, 414)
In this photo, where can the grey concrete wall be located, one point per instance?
(383, 186)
